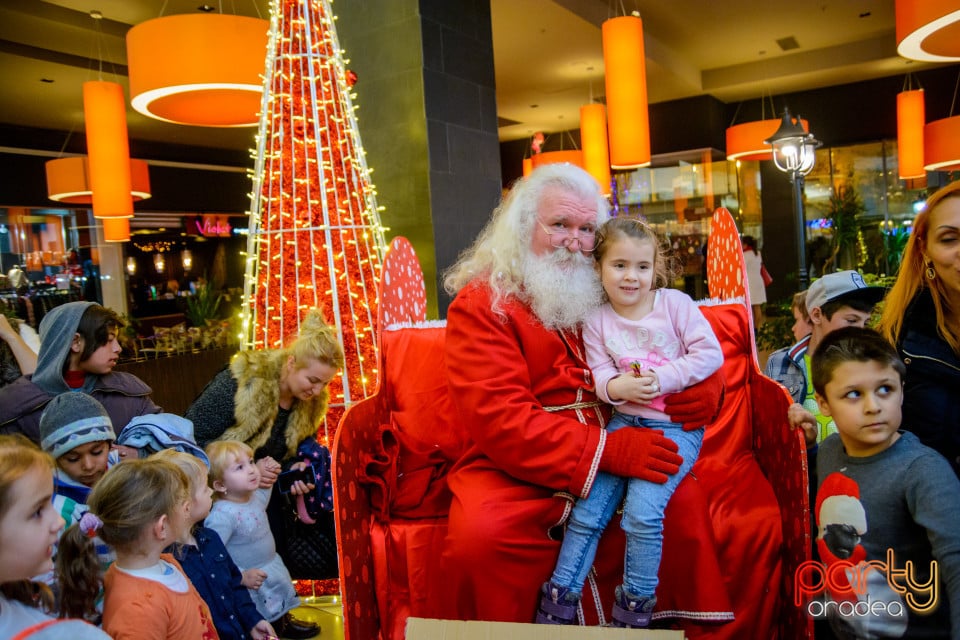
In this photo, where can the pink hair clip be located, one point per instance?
(90, 524)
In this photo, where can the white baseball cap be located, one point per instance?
(840, 286)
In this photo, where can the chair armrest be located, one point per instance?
(782, 455)
(358, 432)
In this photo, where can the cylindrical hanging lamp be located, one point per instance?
(108, 150)
(745, 141)
(941, 144)
(67, 180)
(928, 30)
(200, 69)
(626, 83)
(527, 166)
(549, 157)
(910, 120)
(593, 142)
(116, 229)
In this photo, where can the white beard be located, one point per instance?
(563, 288)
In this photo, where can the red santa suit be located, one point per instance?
(526, 399)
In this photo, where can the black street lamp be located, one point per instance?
(793, 153)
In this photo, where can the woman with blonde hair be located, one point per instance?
(921, 316)
(274, 401)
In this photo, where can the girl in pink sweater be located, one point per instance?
(645, 342)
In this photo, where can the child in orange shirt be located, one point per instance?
(138, 508)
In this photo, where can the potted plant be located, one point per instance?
(845, 208)
(203, 306)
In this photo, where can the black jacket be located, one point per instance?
(931, 401)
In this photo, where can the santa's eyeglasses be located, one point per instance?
(561, 236)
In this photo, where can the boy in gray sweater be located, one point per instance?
(887, 507)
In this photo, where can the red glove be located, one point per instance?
(640, 453)
(697, 405)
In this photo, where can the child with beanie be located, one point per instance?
(76, 431)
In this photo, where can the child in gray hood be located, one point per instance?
(78, 351)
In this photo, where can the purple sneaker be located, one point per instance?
(630, 611)
(558, 605)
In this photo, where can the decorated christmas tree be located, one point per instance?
(315, 234)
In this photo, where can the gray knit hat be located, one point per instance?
(72, 419)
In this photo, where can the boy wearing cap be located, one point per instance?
(76, 431)
(836, 300)
(887, 506)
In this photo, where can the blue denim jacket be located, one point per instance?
(786, 366)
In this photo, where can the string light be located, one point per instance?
(314, 225)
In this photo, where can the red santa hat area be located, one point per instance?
(838, 502)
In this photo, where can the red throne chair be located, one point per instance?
(392, 452)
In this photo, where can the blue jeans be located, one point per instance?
(642, 515)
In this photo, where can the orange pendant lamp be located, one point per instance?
(108, 153)
(574, 157)
(68, 182)
(626, 83)
(928, 30)
(593, 142)
(199, 69)
(745, 141)
(527, 166)
(910, 123)
(941, 144)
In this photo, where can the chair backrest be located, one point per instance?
(402, 300)
(726, 269)
(403, 293)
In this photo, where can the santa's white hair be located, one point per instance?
(501, 254)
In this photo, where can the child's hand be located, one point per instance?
(263, 631)
(269, 470)
(300, 487)
(800, 418)
(627, 387)
(651, 384)
(253, 578)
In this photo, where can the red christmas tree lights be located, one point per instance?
(315, 233)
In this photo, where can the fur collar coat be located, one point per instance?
(256, 402)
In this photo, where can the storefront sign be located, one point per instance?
(210, 226)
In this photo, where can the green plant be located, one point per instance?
(894, 242)
(203, 306)
(776, 331)
(845, 209)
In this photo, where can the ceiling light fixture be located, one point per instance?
(68, 182)
(573, 157)
(928, 30)
(748, 140)
(198, 69)
(911, 117)
(593, 142)
(941, 144)
(108, 151)
(628, 120)
(941, 140)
